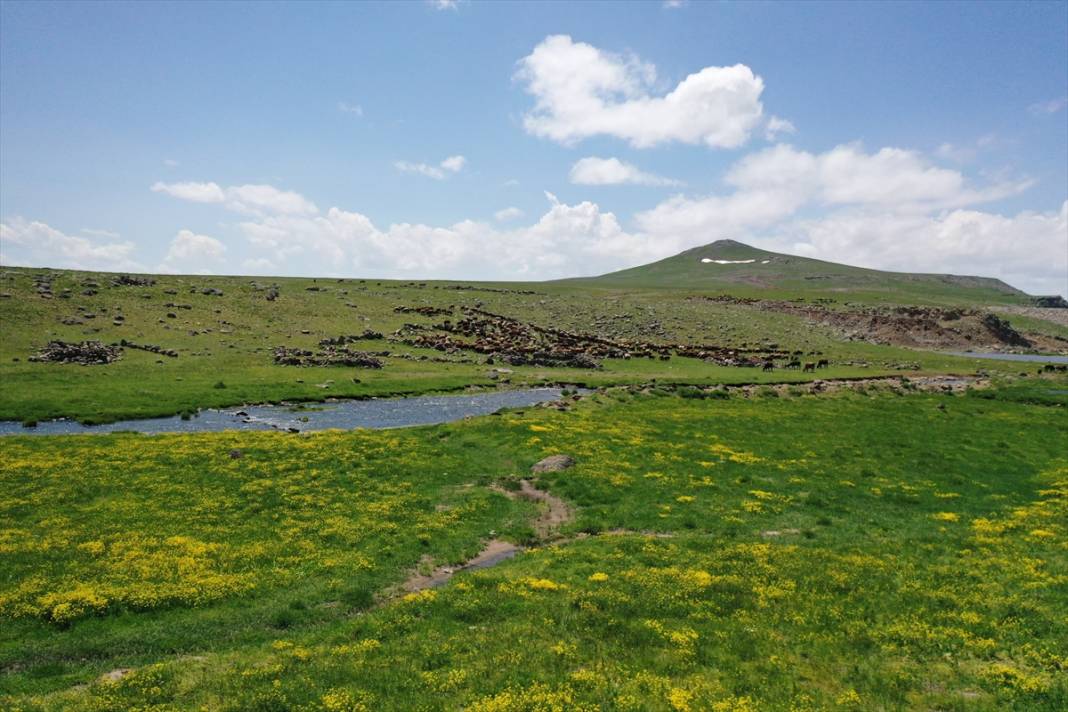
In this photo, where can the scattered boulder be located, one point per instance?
(115, 675)
(553, 463)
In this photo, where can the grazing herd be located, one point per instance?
(327, 356)
(518, 343)
(809, 367)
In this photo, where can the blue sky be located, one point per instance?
(310, 138)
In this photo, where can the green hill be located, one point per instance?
(736, 268)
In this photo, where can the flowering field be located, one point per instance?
(855, 551)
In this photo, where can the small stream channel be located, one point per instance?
(340, 414)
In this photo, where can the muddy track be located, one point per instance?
(553, 512)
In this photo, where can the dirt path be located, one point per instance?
(553, 513)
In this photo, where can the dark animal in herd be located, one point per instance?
(808, 368)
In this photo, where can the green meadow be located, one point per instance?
(872, 549)
(732, 539)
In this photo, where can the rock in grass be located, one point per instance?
(553, 463)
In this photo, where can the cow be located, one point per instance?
(809, 368)
(768, 366)
(823, 363)
(793, 364)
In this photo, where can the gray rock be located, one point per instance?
(553, 463)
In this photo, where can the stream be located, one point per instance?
(338, 414)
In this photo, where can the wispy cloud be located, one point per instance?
(1048, 107)
(507, 214)
(249, 199)
(346, 108)
(612, 171)
(107, 234)
(452, 164)
(776, 127)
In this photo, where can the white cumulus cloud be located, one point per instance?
(37, 244)
(885, 209)
(190, 252)
(581, 91)
(1028, 250)
(612, 171)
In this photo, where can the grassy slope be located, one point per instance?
(876, 551)
(789, 276)
(244, 327)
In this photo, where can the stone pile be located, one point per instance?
(149, 347)
(471, 288)
(367, 335)
(43, 284)
(86, 353)
(127, 280)
(425, 311)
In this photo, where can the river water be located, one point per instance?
(1033, 358)
(341, 414)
